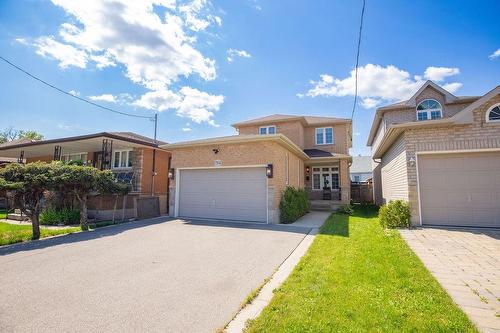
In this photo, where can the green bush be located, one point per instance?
(345, 209)
(293, 205)
(395, 214)
(60, 216)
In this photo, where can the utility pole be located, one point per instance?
(153, 172)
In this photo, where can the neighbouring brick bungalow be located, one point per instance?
(441, 153)
(128, 155)
(230, 177)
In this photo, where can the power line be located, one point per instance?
(71, 95)
(357, 60)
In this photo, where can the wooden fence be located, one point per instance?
(362, 192)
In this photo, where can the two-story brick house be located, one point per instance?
(242, 177)
(441, 153)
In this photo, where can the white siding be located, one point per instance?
(394, 172)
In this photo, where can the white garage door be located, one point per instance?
(460, 189)
(228, 194)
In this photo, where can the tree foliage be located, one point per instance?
(27, 184)
(10, 134)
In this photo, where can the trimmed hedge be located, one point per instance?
(395, 214)
(294, 204)
(60, 216)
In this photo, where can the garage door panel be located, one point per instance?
(460, 189)
(226, 193)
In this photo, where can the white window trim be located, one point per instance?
(69, 154)
(267, 129)
(320, 172)
(429, 111)
(324, 136)
(120, 159)
(488, 114)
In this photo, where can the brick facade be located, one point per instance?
(476, 136)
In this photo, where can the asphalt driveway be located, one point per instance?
(156, 275)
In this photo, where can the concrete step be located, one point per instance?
(324, 205)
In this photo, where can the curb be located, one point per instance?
(253, 310)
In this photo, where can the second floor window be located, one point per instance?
(267, 130)
(122, 159)
(429, 109)
(324, 136)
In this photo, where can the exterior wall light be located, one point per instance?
(269, 170)
(171, 173)
(411, 161)
(308, 170)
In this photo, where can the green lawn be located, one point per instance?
(11, 233)
(356, 277)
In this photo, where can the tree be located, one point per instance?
(10, 134)
(26, 184)
(84, 180)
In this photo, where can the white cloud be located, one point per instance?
(452, 87)
(232, 53)
(104, 98)
(74, 93)
(370, 102)
(376, 84)
(440, 73)
(186, 129)
(156, 50)
(67, 55)
(189, 103)
(495, 54)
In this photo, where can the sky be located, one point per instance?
(204, 65)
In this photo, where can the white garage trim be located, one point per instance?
(440, 152)
(177, 184)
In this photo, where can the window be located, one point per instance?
(356, 179)
(429, 109)
(324, 136)
(325, 177)
(267, 130)
(122, 159)
(493, 114)
(75, 157)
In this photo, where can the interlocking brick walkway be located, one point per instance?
(467, 264)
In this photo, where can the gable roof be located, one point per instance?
(306, 120)
(411, 103)
(16, 142)
(465, 116)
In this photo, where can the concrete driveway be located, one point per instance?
(158, 275)
(467, 264)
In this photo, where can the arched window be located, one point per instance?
(493, 114)
(429, 109)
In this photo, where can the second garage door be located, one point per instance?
(227, 194)
(460, 189)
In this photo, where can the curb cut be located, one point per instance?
(253, 310)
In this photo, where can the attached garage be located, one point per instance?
(460, 189)
(238, 193)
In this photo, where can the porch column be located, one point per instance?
(345, 182)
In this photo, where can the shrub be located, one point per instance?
(60, 216)
(293, 205)
(395, 214)
(345, 209)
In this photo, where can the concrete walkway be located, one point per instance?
(467, 264)
(313, 219)
(55, 227)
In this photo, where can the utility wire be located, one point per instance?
(71, 95)
(357, 61)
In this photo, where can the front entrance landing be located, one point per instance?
(467, 264)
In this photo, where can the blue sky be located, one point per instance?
(208, 64)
